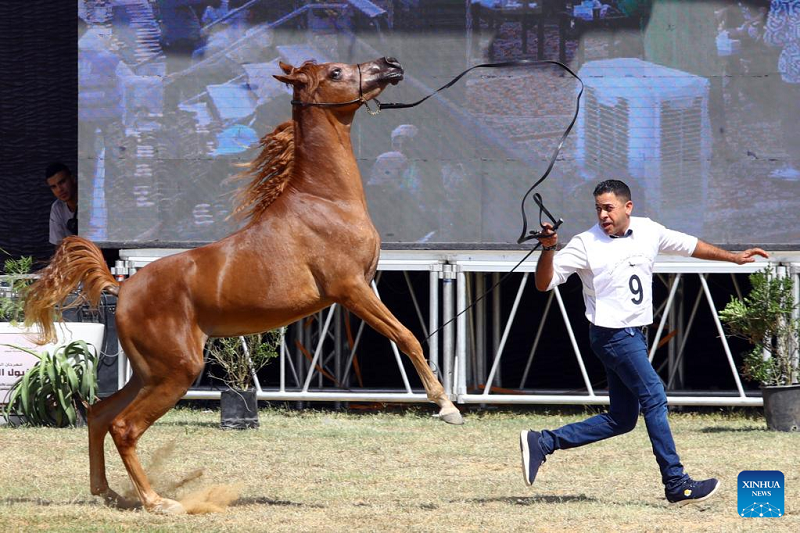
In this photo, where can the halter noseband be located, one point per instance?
(360, 100)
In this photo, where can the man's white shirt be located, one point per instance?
(59, 215)
(617, 273)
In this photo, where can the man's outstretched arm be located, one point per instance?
(703, 250)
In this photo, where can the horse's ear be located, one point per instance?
(287, 68)
(298, 78)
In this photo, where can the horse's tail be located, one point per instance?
(76, 261)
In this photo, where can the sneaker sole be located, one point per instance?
(697, 500)
(526, 456)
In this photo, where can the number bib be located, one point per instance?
(622, 273)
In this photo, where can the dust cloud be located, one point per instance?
(201, 500)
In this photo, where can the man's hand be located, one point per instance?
(550, 238)
(544, 266)
(748, 256)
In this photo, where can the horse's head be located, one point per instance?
(339, 86)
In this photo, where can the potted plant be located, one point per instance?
(57, 388)
(240, 358)
(16, 280)
(765, 318)
(13, 363)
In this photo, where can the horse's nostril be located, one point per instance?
(392, 62)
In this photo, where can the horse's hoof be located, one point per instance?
(167, 506)
(451, 415)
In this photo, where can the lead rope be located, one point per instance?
(525, 235)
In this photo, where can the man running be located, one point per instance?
(614, 260)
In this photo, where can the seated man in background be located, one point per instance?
(64, 211)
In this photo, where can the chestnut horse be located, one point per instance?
(308, 243)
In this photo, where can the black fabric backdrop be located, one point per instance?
(38, 116)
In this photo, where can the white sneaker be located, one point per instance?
(786, 172)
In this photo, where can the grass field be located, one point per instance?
(395, 471)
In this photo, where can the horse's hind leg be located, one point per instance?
(99, 419)
(362, 301)
(166, 383)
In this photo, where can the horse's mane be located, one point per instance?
(268, 173)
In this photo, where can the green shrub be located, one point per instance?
(241, 357)
(764, 319)
(12, 298)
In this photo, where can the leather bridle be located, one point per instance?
(360, 100)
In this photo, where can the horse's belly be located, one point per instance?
(252, 303)
(245, 321)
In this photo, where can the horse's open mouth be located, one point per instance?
(394, 77)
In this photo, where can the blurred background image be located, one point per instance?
(694, 104)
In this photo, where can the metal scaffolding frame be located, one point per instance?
(458, 352)
(672, 267)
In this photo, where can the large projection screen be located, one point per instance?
(694, 104)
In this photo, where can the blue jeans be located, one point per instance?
(632, 384)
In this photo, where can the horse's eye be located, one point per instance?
(336, 74)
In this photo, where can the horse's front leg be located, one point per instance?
(359, 298)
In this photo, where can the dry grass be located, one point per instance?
(331, 471)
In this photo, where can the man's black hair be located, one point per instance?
(617, 187)
(54, 168)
